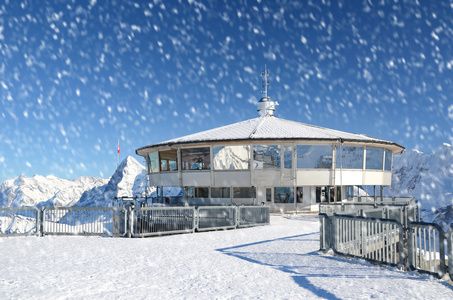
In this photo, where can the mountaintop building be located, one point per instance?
(286, 165)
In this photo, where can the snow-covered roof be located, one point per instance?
(270, 128)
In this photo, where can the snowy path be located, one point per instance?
(279, 261)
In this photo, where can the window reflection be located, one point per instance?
(374, 158)
(196, 159)
(196, 192)
(349, 157)
(244, 192)
(283, 195)
(314, 157)
(231, 157)
(220, 192)
(288, 157)
(388, 160)
(153, 162)
(168, 160)
(266, 156)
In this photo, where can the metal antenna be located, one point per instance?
(265, 74)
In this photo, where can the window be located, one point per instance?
(220, 192)
(349, 157)
(153, 162)
(288, 157)
(314, 157)
(168, 160)
(283, 195)
(268, 194)
(388, 160)
(374, 158)
(231, 157)
(266, 156)
(196, 159)
(244, 192)
(196, 192)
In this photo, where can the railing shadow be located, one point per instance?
(300, 265)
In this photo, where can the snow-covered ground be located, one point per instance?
(280, 261)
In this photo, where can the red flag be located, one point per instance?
(118, 147)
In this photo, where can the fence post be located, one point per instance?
(443, 267)
(41, 221)
(450, 250)
(129, 221)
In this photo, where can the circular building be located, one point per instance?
(270, 161)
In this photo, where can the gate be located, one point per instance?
(253, 216)
(101, 221)
(216, 217)
(426, 248)
(152, 221)
(376, 240)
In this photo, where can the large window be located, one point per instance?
(283, 195)
(388, 160)
(374, 158)
(244, 192)
(288, 157)
(349, 157)
(231, 158)
(196, 159)
(153, 162)
(266, 156)
(314, 157)
(168, 160)
(220, 192)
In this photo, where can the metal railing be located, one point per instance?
(103, 221)
(253, 216)
(19, 221)
(426, 248)
(377, 240)
(133, 222)
(420, 246)
(216, 217)
(404, 213)
(152, 221)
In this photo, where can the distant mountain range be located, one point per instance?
(427, 177)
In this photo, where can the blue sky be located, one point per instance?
(76, 76)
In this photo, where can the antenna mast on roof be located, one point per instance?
(266, 106)
(265, 74)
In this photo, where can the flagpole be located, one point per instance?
(118, 158)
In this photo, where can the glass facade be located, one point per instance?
(266, 156)
(153, 162)
(349, 157)
(388, 160)
(238, 157)
(231, 158)
(374, 158)
(314, 157)
(283, 195)
(168, 160)
(196, 158)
